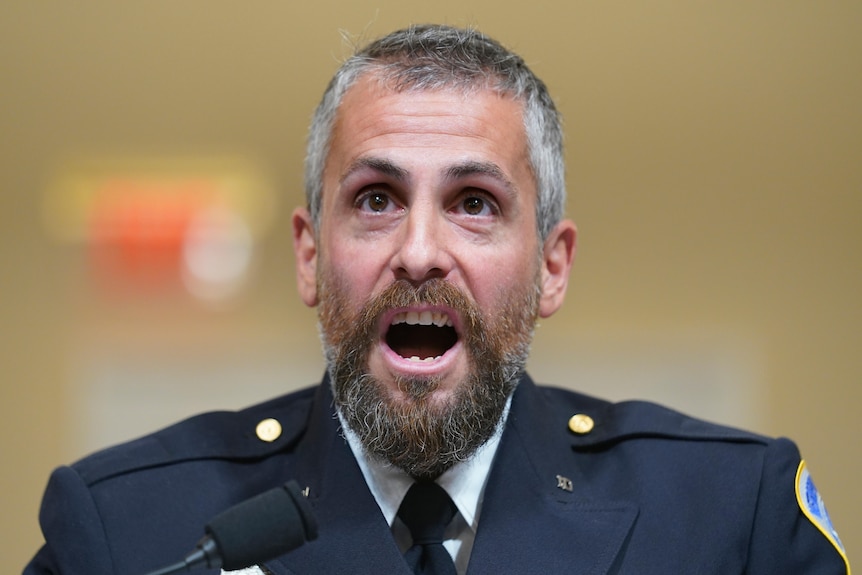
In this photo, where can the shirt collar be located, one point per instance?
(464, 482)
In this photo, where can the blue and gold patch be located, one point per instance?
(814, 508)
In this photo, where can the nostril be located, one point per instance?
(417, 278)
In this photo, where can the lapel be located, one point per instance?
(353, 536)
(529, 522)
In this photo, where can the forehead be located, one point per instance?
(374, 119)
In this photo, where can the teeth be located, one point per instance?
(425, 360)
(437, 318)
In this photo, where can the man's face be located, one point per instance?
(427, 265)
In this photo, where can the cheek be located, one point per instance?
(355, 267)
(513, 263)
(496, 280)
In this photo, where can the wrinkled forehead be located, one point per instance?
(373, 112)
(375, 89)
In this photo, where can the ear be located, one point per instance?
(557, 256)
(305, 250)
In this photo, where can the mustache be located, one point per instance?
(434, 292)
(348, 339)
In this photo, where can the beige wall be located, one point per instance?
(714, 170)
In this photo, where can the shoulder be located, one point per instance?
(594, 422)
(755, 489)
(149, 497)
(222, 435)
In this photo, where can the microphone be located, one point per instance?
(251, 532)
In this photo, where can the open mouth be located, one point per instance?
(421, 335)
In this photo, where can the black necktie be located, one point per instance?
(426, 510)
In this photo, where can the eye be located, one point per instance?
(375, 202)
(476, 205)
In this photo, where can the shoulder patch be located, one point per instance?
(814, 508)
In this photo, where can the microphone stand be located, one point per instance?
(205, 555)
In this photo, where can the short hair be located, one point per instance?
(435, 57)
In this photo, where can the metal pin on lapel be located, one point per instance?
(565, 483)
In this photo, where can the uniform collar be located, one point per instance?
(464, 482)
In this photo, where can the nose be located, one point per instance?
(421, 253)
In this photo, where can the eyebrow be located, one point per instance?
(381, 165)
(452, 173)
(490, 169)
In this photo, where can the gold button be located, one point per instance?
(268, 430)
(581, 423)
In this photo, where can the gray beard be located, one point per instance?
(422, 437)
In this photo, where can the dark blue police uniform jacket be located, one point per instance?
(645, 491)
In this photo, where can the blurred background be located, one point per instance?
(151, 153)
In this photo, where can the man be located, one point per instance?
(432, 241)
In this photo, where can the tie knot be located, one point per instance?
(426, 510)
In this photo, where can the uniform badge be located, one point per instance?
(814, 508)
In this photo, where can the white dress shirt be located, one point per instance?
(464, 482)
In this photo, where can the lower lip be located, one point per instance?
(406, 366)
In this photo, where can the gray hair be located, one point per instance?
(436, 57)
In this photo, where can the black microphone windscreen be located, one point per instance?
(263, 527)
